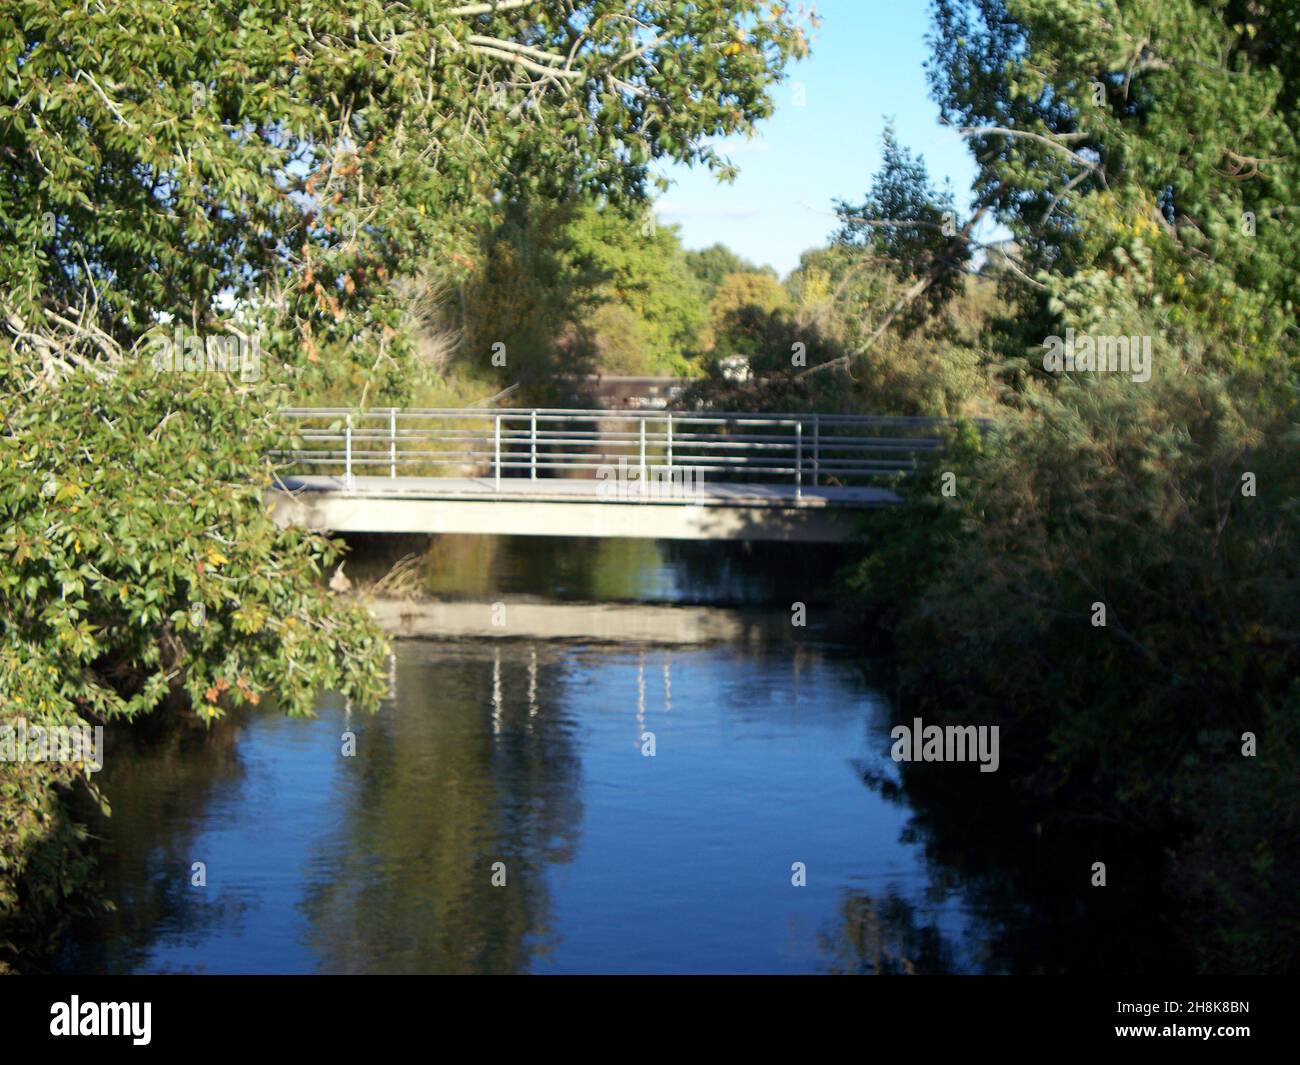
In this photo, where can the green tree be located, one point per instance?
(1138, 495)
(909, 229)
(574, 289)
(302, 160)
(735, 302)
(715, 262)
(1079, 114)
(641, 267)
(278, 172)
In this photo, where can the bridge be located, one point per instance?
(657, 474)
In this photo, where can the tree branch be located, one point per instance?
(523, 61)
(1003, 131)
(489, 8)
(511, 46)
(921, 285)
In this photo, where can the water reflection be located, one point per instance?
(1023, 882)
(469, 766)
(528, 758)
(609, 570)
(885, 935)
(164, 782)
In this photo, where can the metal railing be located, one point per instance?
(820, 449)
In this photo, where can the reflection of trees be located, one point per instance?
(159, 774)
(881, 936)
(470, 765)
(572, 569)
(606, 570)
(753, 573)
(1024, 879)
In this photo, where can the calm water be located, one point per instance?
(531, 755)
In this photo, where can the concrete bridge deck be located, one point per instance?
(589, 490)
(575, 507)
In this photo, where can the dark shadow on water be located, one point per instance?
(1025, 880)
(160, 775)
(684, 572)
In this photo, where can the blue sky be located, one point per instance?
(866, 65)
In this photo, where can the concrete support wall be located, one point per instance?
(586, 622)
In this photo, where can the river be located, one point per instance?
(530, 804)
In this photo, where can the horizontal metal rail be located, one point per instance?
(818, 449)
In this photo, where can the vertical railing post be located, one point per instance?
(817, 448)
(532, 443)
(670, 447)
(392, 441)
(798, 459)
(641, 486)
(347, 455)
(496, 451)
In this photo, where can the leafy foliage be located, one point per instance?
(282, 170)
(908, 228)
(712, 264)
(1137, 495)
(1079, 116)
(302, 159)
(643, 269)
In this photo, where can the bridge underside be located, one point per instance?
(578, 507)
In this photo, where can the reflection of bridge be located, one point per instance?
(656, 474)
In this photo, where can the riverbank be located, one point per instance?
(646, 623)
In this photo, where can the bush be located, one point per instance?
(1130, 496)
